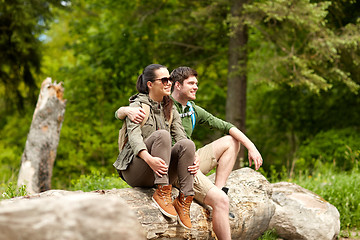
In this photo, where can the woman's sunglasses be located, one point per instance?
(165, 80)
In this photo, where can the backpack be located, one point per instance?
(123, 138)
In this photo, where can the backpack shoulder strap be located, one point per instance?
(122, 140)
(147, 113)
(193, 117)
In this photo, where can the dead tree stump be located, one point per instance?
(41, 145)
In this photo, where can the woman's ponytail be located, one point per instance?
(141, 85)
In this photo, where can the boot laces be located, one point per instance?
(185, 206)
(165, 195)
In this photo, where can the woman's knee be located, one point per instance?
(187, 144)
(162, 135)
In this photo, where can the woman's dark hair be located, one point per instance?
(149, 75)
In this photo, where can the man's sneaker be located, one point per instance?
(182, 206)
(162, 199)
(225, 189)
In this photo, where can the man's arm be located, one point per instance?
(253, 153)
(214, 122)
(135, 114)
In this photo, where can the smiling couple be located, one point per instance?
(150, 159)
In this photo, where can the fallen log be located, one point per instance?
(249, 202)
(257, 205)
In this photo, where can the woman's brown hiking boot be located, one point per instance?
(162, 199)
(182, 206)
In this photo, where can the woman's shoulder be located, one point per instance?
(139, 99)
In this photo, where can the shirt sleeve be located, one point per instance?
(134, 133)
(204, 117)
(116, 115)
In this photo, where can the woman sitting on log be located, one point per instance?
(148, 158)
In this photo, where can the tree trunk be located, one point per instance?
(237, 79)
(41, 145)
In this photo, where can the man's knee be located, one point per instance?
(217, 199)
(231, 142)
(223, 202)
(226, 144)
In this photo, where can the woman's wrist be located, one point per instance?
(144, 155)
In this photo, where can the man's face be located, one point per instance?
(188, 88)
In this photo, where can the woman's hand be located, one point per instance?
(195, 168)
(157, 164)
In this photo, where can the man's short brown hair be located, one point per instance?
(181, 73)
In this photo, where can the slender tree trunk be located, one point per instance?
(41, 145)
(237, 78)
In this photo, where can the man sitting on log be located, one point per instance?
(221, 153)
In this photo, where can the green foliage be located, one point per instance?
(338, 147)
(282, 121)
(274, 175)
(97, 181)
(21, 24)
(12, 142)
(12, 191)
(306, 50)
(269, 235)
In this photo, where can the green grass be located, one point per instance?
(269, 235)
(11, 191)
(97, 181)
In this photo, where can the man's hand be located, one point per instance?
(255, 156)
(253, 153)
(135, 114)
(195, 168)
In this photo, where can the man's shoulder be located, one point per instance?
(197, 108)
(177, 105)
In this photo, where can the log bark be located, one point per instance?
(41, 145)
